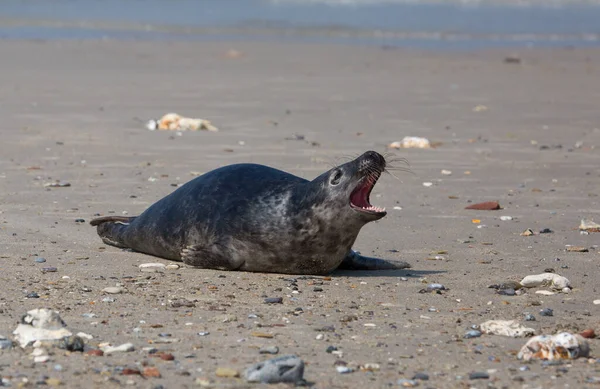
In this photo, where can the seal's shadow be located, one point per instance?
(386, 273)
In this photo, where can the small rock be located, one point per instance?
(126, 347)
(181, 303)
(344, 369)
(152, 267)
(406, 383)
(151, 372)
(5, 343)
(287, 368)
(546, 312)
(129, 371)
(435, 287)
(226, 372)
(472, 334)
(72, 343)
(588, 334)
(506, 218)
(274, 300)
(577, 249)
(95, 353)
(113, 290)
(32, 295)
(41, 359)
(529, 317)
(172, 267)
(203, 333)
(479, 375)
(545, 292)
(421, 376)
(546, 231)
(507, 292)
(485, 206)
(50, 269)
(330, 349)
(165, 356)
(269, 350)
(40, 260)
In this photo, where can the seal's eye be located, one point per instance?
(336, 177)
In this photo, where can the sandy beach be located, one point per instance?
(523, 132)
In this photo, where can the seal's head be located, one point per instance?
(353, 182)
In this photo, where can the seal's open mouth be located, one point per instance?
(359, 199)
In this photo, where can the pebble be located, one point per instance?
(152, 267)
(596, 302)
(226, 372)
(269, 350)
(274, 300)
(287, 368)
(33, 295)
(545, 292)
(172, 267)
(40, 260)
(50, 269)
(506, 218)
(5, 343)
(546, 231)
(546, 312)
(330, 349)
(421, 376)
(151, 372)
(126, 347)
(435, 287)
(479, 375)
(472, 334)
(529, 317)
(113, 290)
(41, 359)
(204, 333)
(344, 369)
(95, 352)
(72, 343)
(406, 383)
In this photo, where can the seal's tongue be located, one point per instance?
(360, 196)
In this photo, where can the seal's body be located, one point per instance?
(256, 218)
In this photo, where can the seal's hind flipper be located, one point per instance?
(207, 258)
(355, 261)
(110, 229)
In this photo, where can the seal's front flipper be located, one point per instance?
(111, 228)
(355, 261)
(207, 258)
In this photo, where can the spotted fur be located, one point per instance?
(256, 218)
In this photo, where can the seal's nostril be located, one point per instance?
(375, 157)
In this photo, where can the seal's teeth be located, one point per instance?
(374, 209)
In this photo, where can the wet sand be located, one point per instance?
(75, 112)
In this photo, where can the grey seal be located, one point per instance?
(256, 218)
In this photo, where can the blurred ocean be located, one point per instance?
(425, 24)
